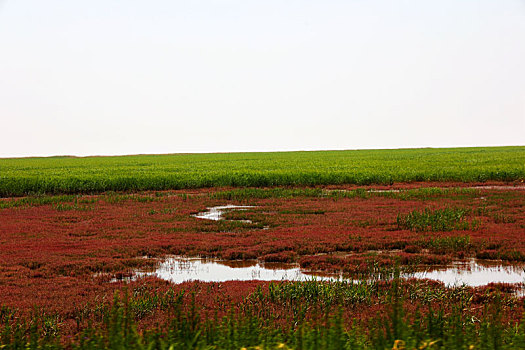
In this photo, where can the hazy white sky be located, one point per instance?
(129, 76)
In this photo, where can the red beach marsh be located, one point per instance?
(64, 251)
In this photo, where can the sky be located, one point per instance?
(105, 77)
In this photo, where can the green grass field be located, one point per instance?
(53, 175)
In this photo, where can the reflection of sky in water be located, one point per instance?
(215, 213)
(178, 270)
(474, 274)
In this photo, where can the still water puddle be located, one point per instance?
(180, 269)
(216, 213)
(473, 273)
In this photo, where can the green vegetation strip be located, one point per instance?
(79, 202)
(418, 193)
(69, 175)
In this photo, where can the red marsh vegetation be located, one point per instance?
(59, 253)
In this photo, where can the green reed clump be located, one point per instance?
(321, 293)
(443, 245)
(145, 302)
(447, 219)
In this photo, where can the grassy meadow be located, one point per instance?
(70, 175)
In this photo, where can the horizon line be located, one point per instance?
(239, 152)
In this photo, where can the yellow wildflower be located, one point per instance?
(398, 345)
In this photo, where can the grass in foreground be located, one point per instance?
(316, 320)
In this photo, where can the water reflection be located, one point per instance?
(178, 270)
(216, 213)
(181, 269)
(474, 273)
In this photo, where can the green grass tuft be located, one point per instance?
(447, 219)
